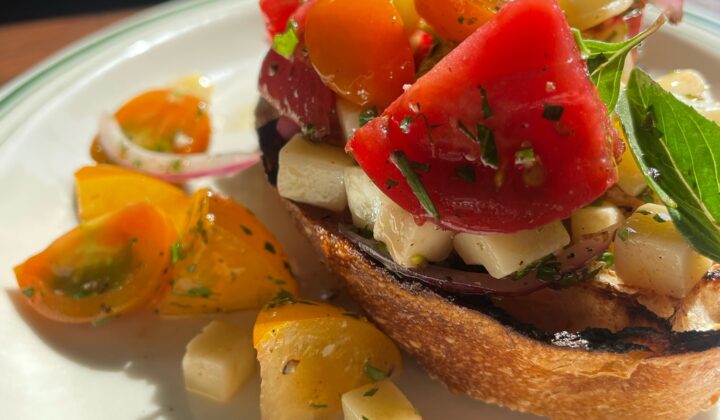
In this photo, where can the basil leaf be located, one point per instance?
(606, 61)
(678, 151)
(285, 43)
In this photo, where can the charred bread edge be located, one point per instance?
(476, 349)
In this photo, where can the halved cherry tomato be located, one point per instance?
(455, 20)
(103, 189)
(277, 13)
(500, 141)
(163, 120)
(226, 260)
(367, 67)
(102, 268)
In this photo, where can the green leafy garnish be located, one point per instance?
(678, 151)
(525, 156)
(28, 291)
(371, 392)
(606, 61)
(466, 173)
(202, 291)
(487, 111)
(367, 115)
(270, 248)
(406, 169)
(389, 183)
(552, 112)
(316, 406)
(375, 374)
(486, 138)
(176, 253)
(285, 43)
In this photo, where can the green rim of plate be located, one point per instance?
(34, 79)
(161, 13)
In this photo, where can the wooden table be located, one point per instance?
(26, 43)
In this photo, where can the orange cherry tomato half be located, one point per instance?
(163, 120)
(360, 49)
(102, 268)
(454, 20)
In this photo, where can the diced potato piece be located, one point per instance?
(594, 219)
(363, 197)
(584, 14)
(651, 254)
(312, 353)
(687, 83)
(218, 361)
(504, 254)
(630, 177)
(408, 243)
(349, 116)
(382, 400)
(313, 173)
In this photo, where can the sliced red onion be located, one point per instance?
(167, 166)
(576, 256)
(672, 8)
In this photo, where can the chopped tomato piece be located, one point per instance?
(455, 20)
(102, 268)
(226, 260)
(505, 133)
(366, 70)
(103, 189)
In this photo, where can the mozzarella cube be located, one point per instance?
(313, 173)
(651, 254)
(687, 83)
(218, 361)
(595, 219)
(363, 197)
(408, 243)
(506, 253)
(382, 400)
(349, 116)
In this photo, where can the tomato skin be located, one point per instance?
(455, 20)
(575, 154)
(277, 13)
(364, 68)
(140, 231)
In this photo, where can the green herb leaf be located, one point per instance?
(316, 406)
(404, 165)
(606, 61)
(486, 138)
(552, 112)
(202, 291)
(375, 374)
(389, 183)
(176, 253)
(678, 151)
(525, 156)
(28, 291)
(285, 43)
(270, 248)
(466, 173)
(371, 392)
(487, 111)
(367, 115)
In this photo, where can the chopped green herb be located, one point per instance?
(191, 267)
(176, 253)
(607, 258)
(487, 111)
(365, 418)
(552, 112)
(403, 164)
(316, 406)
(661, 218)
(420, 167)
(486, 138)
(624, 233)
(285, 43)
(461, 19)
(647, 195)
(375, 374)
(525, 156)
(308, 130)
(371, 392)
(645, 212)
(28, 291)
(466, 173)
(367, 115)
(389, 183)
(81, 294)
(270, 248)
(246, 230)
(405, 124)
(176, 165)
(202, 291)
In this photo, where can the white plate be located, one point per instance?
(130, 368)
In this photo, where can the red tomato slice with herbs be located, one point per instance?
(277, 13)
(506, 133)
(102, 268)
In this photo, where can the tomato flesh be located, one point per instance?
(102, 268)
(277, 13)
(455, 20)
(520, 80)
(367, 67)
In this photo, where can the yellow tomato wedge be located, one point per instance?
(311, 353)
(455, 20)
(226, 260)
(101, 269)
(103, 189)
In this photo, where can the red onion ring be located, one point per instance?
(167, 166)
(287, 127)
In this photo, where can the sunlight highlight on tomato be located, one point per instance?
(102, 268)
(365, 67)
(455, 20)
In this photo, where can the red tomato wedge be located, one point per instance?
(277, 13)
(519, 87)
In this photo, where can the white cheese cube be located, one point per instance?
(218, 361)
(313, 173)
(349, 116)
(595, 219)
(408, 243)
(506, 253)
(687, 83)
(651, 254)
(382, 400)
(363, 197)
